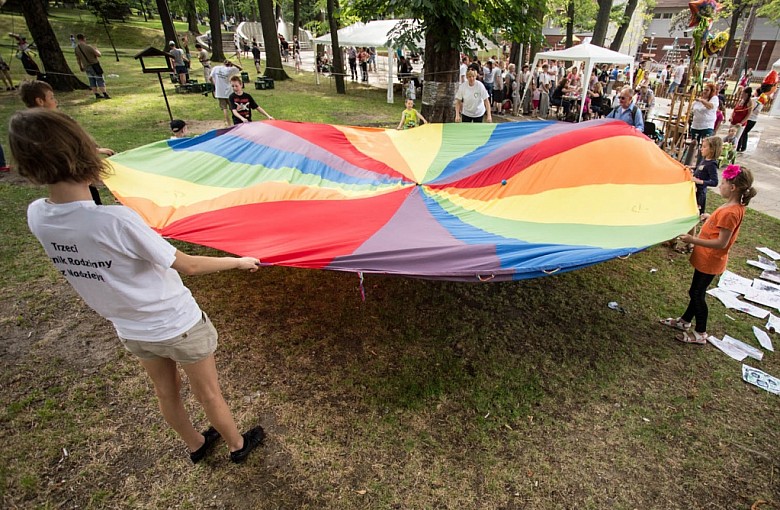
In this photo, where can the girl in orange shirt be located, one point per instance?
(711, 250)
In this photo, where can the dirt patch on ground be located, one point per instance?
(57, 325)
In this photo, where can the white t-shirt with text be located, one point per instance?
(118, 265)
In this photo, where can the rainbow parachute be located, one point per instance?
(442, 201)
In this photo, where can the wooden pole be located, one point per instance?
(168, 106)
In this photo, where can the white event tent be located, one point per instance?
(374, 33)
(591, 55)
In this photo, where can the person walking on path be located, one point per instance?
(220, 77)
(88, 58)
(751, 122)
(132, 278)
(741, 113)
(711, 251)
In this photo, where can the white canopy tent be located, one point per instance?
(591, 54)
(373, 33)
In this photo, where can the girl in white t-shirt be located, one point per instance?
(128, 274)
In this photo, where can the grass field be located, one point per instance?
(428, 395)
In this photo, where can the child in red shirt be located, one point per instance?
(711, 250)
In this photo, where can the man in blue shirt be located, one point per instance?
(627, 110)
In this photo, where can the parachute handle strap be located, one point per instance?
(485, 278)
(551, 271)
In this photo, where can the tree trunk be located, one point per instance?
(442, 70)
(167, 22)
(740, 61)
(725, 62)
(570, 24)
(192, 17)
(514, 55)
(143, 10)
(602, 23)
(58, 73)
(296, 18)
(273, 55)
(217, 55)
(617, 42)
(338, 60)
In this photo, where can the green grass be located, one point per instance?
(530, 394)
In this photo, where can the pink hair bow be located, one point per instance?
(731, 171)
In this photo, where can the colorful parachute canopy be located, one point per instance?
(441, 201)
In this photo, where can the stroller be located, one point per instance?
(653, 133)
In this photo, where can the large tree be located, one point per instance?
(296, 17)
(570, 24)
(737, 12)
(602, 22)
(58, 72)
(167, 22)
(623, 25)
(273, 54)
(338, 64)
(192, 17)
(217, 54)
(447, 27)
(740, 61)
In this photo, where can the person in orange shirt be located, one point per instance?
(711, 250)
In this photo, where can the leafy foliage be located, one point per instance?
(772, 11)
(110, 9)
(584, 14)
(455, 25)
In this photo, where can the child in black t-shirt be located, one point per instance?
(242, 104)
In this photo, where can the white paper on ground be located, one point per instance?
(773, 323)
(760, 284)
(735, 283)
(769, 252)
(730, 300)
(772, 276)
(763, 338)
(728, 349)
(761, 379)
(756, 354)
(763, 263)
(763, 297)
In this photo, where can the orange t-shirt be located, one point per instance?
(711, 260)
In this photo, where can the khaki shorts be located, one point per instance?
(224, 103)
(191, 346)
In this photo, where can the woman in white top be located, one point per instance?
(472, 100)
(705, 110)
